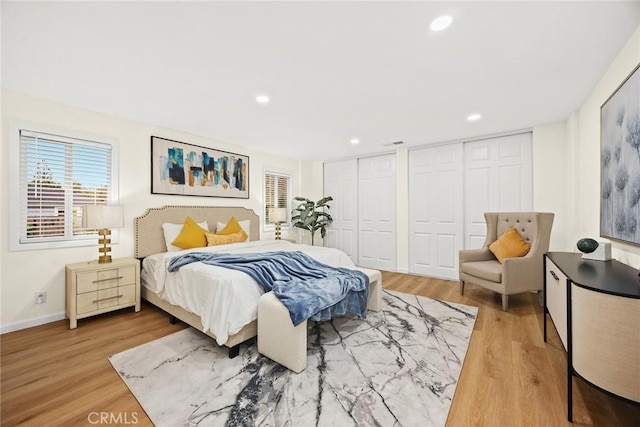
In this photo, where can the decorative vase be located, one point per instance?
(587, 245)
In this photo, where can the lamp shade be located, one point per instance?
(102, 216)
(277, 214)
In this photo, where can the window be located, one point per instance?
(56, 176)
(277, 194)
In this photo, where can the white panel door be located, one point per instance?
(498, 178)
(377, 212)
(341, 183)
(436, 214)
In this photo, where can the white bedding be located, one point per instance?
(225, 299)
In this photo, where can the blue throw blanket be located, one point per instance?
(308, 288)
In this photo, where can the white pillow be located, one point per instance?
(246, 227)
(171, 231)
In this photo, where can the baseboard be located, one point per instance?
(31, 322)
(402, 270)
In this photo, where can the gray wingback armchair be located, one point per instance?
(514, 275)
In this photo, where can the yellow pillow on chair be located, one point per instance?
(191, 236)
(509, 245)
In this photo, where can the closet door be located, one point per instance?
(436, 214)
(377, 212)
(498, 178)
(341, 183)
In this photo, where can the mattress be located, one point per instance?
(226, 300)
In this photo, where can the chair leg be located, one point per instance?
(505, 302)
(461, 287)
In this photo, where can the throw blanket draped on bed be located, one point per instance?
(308, 288)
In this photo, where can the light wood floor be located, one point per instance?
(53, 376)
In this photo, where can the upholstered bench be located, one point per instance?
(286, 344)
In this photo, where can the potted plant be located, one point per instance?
(310, 215)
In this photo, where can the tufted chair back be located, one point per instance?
(528, 224)
(514, 275)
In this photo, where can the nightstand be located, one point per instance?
(94, 288)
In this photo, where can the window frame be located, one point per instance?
(15, 196)
(274, 172)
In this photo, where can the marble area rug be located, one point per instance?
(399, 367)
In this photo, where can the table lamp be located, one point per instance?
(103, 218)
(277, 216)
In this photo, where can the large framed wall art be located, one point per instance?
(620, 162)
(190, 170)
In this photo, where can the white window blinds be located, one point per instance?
(277, 193)
(57, 176)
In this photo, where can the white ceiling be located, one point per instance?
(333, 70)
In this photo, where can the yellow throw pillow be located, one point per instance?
(225, 239)
(509, 245)
(191, 236)
(233, 226)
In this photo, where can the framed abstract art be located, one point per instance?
(184, 169)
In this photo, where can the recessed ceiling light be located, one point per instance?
(355, 141)
(262, 99)
(441, 22)
(474, 117)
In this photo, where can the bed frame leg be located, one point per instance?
(234, 351)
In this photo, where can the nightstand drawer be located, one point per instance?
(97, 300)
(128, 293)
(90, 281)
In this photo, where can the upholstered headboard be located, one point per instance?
(149, 236)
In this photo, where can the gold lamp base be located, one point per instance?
(104, 238)
(278, 231)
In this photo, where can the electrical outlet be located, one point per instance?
(41, 297)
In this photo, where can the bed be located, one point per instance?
(149, 240)
(205, 310)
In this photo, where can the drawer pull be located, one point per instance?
(106, 280)
(106, 299)
(554, 275)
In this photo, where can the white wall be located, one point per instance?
(550, 186)
(402, 210)
(24, 273)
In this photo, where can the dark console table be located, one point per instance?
(595, 307)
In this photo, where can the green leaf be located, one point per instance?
(310, 215)
(323, 202)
